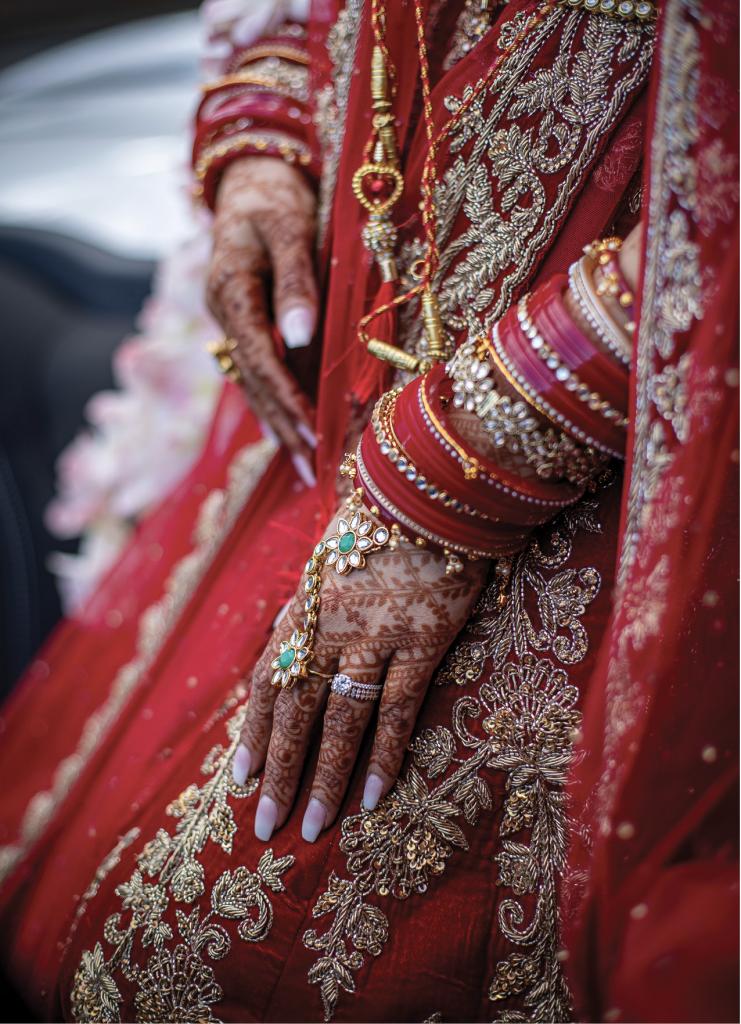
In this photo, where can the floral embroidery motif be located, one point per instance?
(473, 23)
(217, 515)
(500, 184)
(176, 982)
(520, 723)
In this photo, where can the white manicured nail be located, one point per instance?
(269, 433)
(313, 822)
(372, 792)
(307, 433)
(297, 327)
(241, 764)
(304, 470)
(265, 818)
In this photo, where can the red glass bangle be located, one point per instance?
(245, 101)
(570, 414)
(580, 355)
(228, 124)
(436, 525)
(497, 491)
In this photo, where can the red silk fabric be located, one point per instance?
(95, 750)
(659, 776)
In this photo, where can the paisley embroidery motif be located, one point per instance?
(520, 723)
(173, 976)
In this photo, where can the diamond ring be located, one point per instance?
(347, 687)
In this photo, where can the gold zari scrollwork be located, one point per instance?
(170, 968)
(520, 723)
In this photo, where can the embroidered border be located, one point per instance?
(331, 106)
(217, 515)
(672, 299)
(174, 980)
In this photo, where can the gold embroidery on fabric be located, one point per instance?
(331, 105)
(110, 861)
(173, 978)
(673, 298)
(576, 100)
(497, 175)
(217, 515)
(472, 25)
(521, 723)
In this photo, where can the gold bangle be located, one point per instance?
(249, 78)
(471, 465)
(289, 149)
(283, 52)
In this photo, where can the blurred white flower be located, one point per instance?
(78, 575)
(144, 436)
(229, 23)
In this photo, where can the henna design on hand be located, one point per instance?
(265, 224)
(397, 617)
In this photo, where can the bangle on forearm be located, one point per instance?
(292, 82)
(511, 423)
(269, 51)
(604, 253)
(386, 508)
(564, 374)
(581, 288)
(518, 381)
(392, 449)
(504, 493)
(212, 159)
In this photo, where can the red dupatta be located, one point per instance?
(655, 935)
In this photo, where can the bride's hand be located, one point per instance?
(391, 621)
(264, 230)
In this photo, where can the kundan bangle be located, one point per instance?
(508, 490)
(581, 288)
(510, 423)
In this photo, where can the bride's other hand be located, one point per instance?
(263, 236)
(389, 622)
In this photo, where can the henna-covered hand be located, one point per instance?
(392, 621)
(264, 228)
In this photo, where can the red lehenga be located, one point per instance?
(134, 888)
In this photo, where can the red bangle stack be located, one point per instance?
(549, 382)
(260, 109)
(417, 471)
(411, 457)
